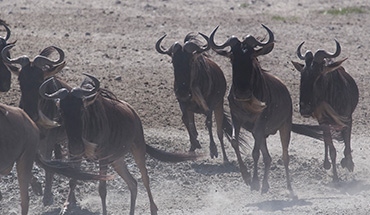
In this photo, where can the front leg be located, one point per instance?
(235, 144)
(188, 120)
(333, 153)
(71, 202)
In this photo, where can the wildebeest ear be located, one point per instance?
(298, 66)
(53, 70)
(15, 70)
(265, 49)
(333, 66)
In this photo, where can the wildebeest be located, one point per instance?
(19, 144)
(199, 87)
(330, 95)
(31, 74)
(259, 102)
(101, 127)
(5, 74)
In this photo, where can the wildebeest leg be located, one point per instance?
(71, 198)
(347, 160)
(327, 164)
(188, 120)
(47, 146)
(212, 145)
(235, 144)
(285, 132)
(219, 117)
(333, 153)
(258, 143)
(267, 161)
(103, 186)
(24, 171)
(139, 151)
(120, 167)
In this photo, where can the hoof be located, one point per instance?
(347, 163)
(213, 152)
(36, 187)
(255, 185)
(265, 188)
(327, 165)
(246, 177)
(195, 145)
(47, 201)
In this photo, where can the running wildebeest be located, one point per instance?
(330, 95)
(19, 144)
(103, 128)
(31, 74)
(5, 74)
(199, 87)
(259, 103)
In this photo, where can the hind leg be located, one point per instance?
(24, 171)
(212, 145)
(219, 117)
(103, 187)
(139, 151)
(120, 167)
(285, 132)
(347, 161)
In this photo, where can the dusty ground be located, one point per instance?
(114, 40)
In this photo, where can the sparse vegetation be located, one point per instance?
(344, 11)
(243, 5)
(284, 19)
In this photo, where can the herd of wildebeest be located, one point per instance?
(100, 127)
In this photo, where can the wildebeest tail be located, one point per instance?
(228, 131)
(170, 156)
(66, 169)
(227, 127)
(313, 131)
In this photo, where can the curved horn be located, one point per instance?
(299, 52)
(41, 60)
(271, 36)
(321, 54)
(191, 47)
(22, 60)
(253, 42)
(59, 94)
(211, 40)
(91, 92)
(7, 31)
(159, 49)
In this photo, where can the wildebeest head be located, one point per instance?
(243, 56)
(72, 104)
(5, 70)
(31, 75)
(183, 59)
(315, 65)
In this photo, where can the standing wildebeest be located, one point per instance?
(330, 95)
(100, 126)
(30, 76)
(259, 102)
(199, 87)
